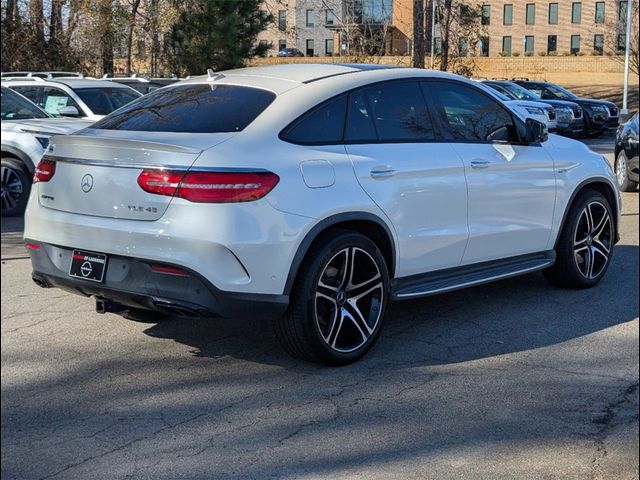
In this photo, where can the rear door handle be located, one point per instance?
(480, 163)
(382, 172)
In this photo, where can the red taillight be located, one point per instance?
(209, 187)
(170, 270)
(44, 171)
(33, 246)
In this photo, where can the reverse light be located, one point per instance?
(209, 187)
(45, 171)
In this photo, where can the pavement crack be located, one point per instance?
(606, 422)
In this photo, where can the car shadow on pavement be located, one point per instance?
(513, 315)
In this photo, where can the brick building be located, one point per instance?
(509, 27)
(561, 27)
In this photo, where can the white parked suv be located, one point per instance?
(25, 135)
(315, 195)
(73, 97)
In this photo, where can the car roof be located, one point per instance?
(282, 77)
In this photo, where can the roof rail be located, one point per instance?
(525, 79)
(23, 79)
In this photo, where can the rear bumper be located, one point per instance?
(131, 283)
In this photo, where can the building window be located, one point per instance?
(282, 20)
(310, 48)
(311, 18)
(576, 12)
(553, 14)
(329, 17)
(552, 43)
(621, 42)
(528, 44)
(531, 14)
(282, 44)
(575, 44)
(599, 12)
(507, 17)
(486, 15)
(328, 47)
(506, 46)
(598, 44)
(463, 47)
(622, 13)
(484, 46)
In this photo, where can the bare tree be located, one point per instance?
(461, 30)
(614, 42)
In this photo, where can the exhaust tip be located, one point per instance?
(40, 281)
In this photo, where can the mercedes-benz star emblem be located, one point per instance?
(87, 183)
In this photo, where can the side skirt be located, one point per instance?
(442, 281)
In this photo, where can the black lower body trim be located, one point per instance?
(132, 283)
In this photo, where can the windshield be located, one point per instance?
(16, 107)
(560, 92)
(517, 92)
(199, 108)
(103, 101)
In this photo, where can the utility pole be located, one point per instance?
(625, 110)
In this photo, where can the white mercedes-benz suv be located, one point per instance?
(314, 195)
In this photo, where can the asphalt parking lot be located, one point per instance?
(516, 379)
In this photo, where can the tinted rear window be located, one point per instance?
(191, 109)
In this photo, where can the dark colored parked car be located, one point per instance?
(627, 155)
(599, 115)
(290, 52)
(568, 114)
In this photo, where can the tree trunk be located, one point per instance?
(36, 18)
(132, 23)
(445, 26)
(105, 15)
(56, 54)
(418, 34)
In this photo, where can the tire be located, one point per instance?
(621, 169)
(585, 245)
(16, 186)
(343, 280)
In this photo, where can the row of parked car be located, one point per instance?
(36, 105)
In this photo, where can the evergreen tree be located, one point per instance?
(218, 34)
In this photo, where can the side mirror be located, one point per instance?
(536, 132)
(69, 112)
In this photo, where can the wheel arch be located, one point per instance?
(12, 152)
(365, 223)
(600, 185)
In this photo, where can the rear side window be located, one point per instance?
(324, 125)
(191, 109)
(103, 101)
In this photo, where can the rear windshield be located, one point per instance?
(103, 101)
(191, 109)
